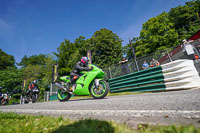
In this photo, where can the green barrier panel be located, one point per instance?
(53, 97)
(156, 87)
(146, 80)
(138, 84)
(149, 78)
(136, 77)
(154, 69)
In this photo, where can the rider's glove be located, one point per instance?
(89, 68)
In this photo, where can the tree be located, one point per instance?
(157, 33)
(65, 50)
(168, 29)
(186, 19)
(69, 54)
(106, 48)
(47, 71)
(6, 60)
(80, 50)
(38, 67)
(10, 79)
(33, 60)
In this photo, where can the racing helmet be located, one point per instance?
(35, 81)
(84, 60)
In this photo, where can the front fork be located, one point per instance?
(96, 83)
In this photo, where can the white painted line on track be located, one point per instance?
(132, 113)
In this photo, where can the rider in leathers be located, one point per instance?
(80, 66)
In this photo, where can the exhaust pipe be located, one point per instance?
(60, 86)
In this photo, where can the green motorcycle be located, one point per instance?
(90, 83)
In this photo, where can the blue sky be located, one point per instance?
(31, 27)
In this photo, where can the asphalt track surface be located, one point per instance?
(164, 108)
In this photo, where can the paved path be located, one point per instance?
(175, 107)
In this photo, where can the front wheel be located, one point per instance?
(4, 102)
(101, 91)
(34, 98)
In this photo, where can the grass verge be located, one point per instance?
(15, 123)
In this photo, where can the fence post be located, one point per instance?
(136, 64)
(169, 56)
(51, 89)
(44, 96)
(110, 72)
(47, 95)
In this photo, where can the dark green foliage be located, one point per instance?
(6, 60)
(33, 60)
(38, 67)
(186, 19)
(34, 67)
(167, 29)
(11, 79)
(69, 53)
(106, 48)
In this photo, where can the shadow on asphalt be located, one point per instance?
(87, 126)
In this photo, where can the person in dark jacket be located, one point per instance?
(124, 66)
(80, 66)
(32, 86)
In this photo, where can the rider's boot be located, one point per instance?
(73, 87)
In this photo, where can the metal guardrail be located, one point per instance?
(145, 80)
(179, 74)
(163, 56)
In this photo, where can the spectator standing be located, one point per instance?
(145, 65)
(154, 63)
(124, 66)
(196, 58)
(188, 49)
(197, 63)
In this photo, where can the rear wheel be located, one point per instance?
(101, 91)
(63, 95)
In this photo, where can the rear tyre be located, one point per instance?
(101, 91)
(63, 95)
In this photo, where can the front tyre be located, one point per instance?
(34, 98)
(63, 95)
(101, 91)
